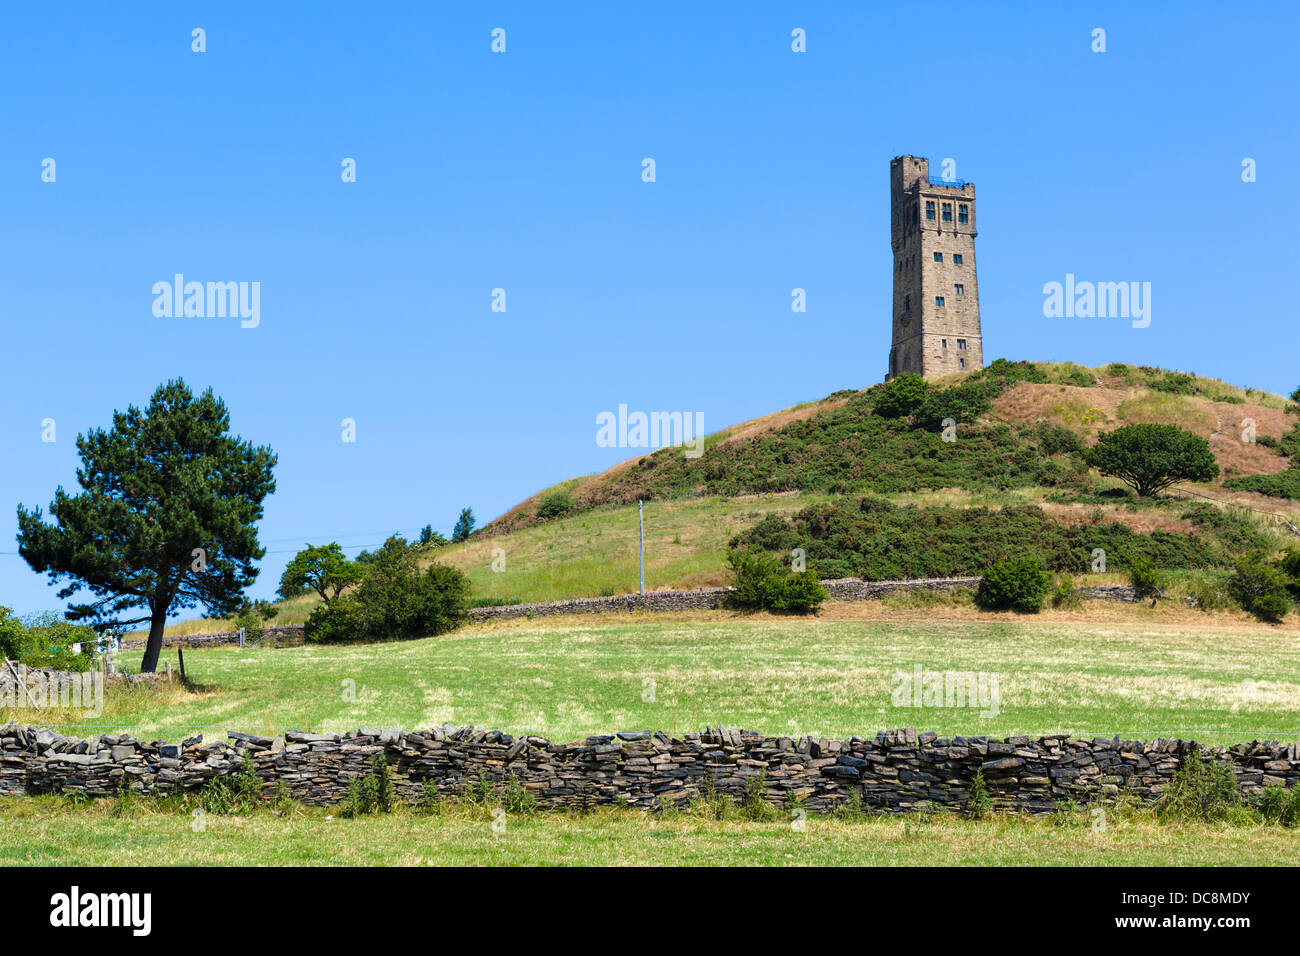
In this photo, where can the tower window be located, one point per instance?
(938, 257)
(907, 303)
(938, 300)
(961, 344)
(961, 363)
(929, 209)
(959, 289)
(947, 212)
(963, 212)
(944, 342)
(956, 258)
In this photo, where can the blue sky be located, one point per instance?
(522, 170)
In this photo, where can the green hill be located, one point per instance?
(1018, 429)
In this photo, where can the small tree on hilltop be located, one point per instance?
(901, 396)
(325, 570)
(464, 525)
(1150, 458)
(166, 518)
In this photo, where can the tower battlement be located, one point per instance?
(936, 325)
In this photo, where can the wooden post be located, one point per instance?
(180, 655)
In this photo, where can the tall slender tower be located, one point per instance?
(936, 296)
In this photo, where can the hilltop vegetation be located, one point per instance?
(1011, 425)
(874, 539)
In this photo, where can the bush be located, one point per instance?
(874, 539)
(1289, 564)
(1175, 383)
(1065, 593)
(1203, 790)
(1283, 484)
(1260, 588)
(1055, 440)
(1144, 577)
(374, 793)
(900, 397)
(762, 584)
(979, 803)
(46, 640)
(1019, 585)
(1278, 805)
(554, 505)
(395, 600)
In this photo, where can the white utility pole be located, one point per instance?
(640, 527)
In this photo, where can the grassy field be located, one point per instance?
(53, 831)
(1097, 671)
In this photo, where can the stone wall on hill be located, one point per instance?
(274, 635)
(695, 599)
(894, 771)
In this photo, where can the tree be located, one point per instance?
(166, 518)
(1150, 458)
(1295, 396)
(464, 525)
(431, 538)
(325, 570)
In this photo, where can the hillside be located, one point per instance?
(1017, 422)
(837, 445)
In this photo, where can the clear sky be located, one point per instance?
(522, 171)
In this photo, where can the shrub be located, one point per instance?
(1144, 577)
(46, 640)
(1278, 805)
(1150, 458)
(554, 505)
(1289, 564)
(374, 793)
(1055, 440)
(762, 584)
(1283, 484)
(979, 803)
(1295, 396)
(1065, 593)
(877, 540)
(1175, 383)
(1202, 790)
(430, 538)
(1118, 369)
(900, 397)
(1260, 588)
(1019, 584)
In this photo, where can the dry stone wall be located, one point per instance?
(894, 771)
(695, 599)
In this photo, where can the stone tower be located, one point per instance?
(936, 296)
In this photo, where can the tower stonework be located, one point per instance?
(936, 295)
